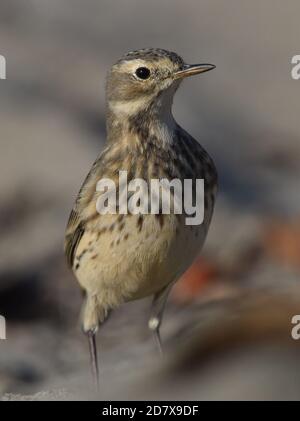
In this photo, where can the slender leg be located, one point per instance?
(91, 334)
(90, 323)
(158, 306)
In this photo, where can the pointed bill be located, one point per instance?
(193, 69)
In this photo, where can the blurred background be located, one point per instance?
(227, 325)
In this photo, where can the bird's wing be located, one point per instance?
(74, 232)
(82, 212)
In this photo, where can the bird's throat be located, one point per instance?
(144, 119)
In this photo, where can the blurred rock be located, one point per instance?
(244, 352)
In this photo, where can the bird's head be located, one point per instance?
(147, 77)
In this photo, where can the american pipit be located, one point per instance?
(121, 257)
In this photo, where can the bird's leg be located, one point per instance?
(90, 323)
(91, 334)
(158, 306)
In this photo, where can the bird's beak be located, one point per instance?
(193, 69)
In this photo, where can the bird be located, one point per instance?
(120, 257)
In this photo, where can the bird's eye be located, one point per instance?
(142, 73)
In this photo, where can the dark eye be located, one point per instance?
(142, 73)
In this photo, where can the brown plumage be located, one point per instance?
(118, 258)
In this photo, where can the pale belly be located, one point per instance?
(133, 257)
